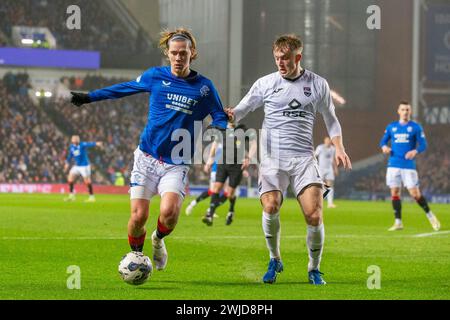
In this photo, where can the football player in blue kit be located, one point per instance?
(179, 96)
(78, 152)
(407, 141)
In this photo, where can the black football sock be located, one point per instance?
(137, 243)
(91, 191)
(422, 202)
(203, 196)
(232, 203)
(161, 230)
(214, 204)
(397, 205)
(71, 187)
(223, 198)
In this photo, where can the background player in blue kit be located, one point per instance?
(78, 152)
(407, 141)
(179, 96)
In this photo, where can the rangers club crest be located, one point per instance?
(204, 91)
(307, 91)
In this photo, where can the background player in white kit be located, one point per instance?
(291, 98)
(327, 166)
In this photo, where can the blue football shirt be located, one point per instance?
(79, 153)
(175, 105)
(404, 137)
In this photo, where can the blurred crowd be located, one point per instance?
(90, 82)
(100, 30)
(31, 147)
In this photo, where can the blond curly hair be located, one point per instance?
(166, 36)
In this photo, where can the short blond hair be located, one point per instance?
(291, 41)
(167, 35)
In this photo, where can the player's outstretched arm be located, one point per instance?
(142, 84)
(253, 100)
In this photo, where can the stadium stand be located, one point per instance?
(31, 147)
(103, 35)
(105, 32)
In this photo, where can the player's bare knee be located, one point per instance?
(139, 216)
(231, 193)
(314, 218)
(271, 207)
(415, 193)
(169, 214)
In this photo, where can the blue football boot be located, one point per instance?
(315, 277)
(275, 266)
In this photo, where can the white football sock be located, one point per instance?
(271, 228)
(314, 240)
(398, 221)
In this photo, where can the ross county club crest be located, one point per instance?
(204, 91)
(307, 91)
(394, 129)
(409, 129)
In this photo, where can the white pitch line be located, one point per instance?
(436, 233)
(199, 238)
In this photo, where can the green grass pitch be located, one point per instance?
(41, 236)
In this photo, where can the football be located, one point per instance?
(135, 268)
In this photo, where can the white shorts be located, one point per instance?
(327, 174)
(84, 171)
(396, 176)
(151, 176)
(276, 174)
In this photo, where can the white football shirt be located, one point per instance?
(290, 108)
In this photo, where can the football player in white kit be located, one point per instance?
(327, 167)
(291, 98)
